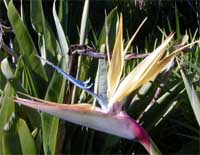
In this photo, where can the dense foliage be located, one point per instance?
(168, 108)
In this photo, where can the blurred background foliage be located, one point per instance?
(160, 13)
(171, 123)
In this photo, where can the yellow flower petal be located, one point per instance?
(117, 61)
(140, 74)
(163, 63)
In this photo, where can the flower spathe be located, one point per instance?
(119, 124)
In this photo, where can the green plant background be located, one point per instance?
(38, 30)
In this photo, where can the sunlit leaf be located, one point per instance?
(7, 105)
(6, 70)
(17, 137)
(61, 35)
(194, 100)
(46, 38)
(27, 48)
(84, 22)
(36, 10)
(196, 105)
(80, 74)
(112, 19)
(64, 14)
(10, 138)
(26, 139)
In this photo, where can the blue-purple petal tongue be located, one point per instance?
(83, 85)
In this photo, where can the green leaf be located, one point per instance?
(6, 69)
(16, 137)
(26, 139)
(163, 106)
(80, 74)
(37, 15)
(6, 109)
(196, 105)
(27, 48)
(112, 29)
(178, 33)
(60, 33)
(10, 139)
(194, 100)
(10, 143)
(64, 14)
(169, 25)
(7, 105)
(29, 81)
(84, 22)
(10, 146)
(50, 125)
(46, 38)
(15, 85)
(6, 3)
(2, 82)
(25, 82)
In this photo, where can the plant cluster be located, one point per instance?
(134, 100)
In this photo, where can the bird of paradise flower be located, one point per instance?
(109, 117)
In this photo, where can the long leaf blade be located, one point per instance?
(64, 14)
(194, 100)
(27, 48)
(84, 22)
(61, 35)
(26, 139)
(10, 139)
(46, 38)
(108, 35)
(196, 105)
